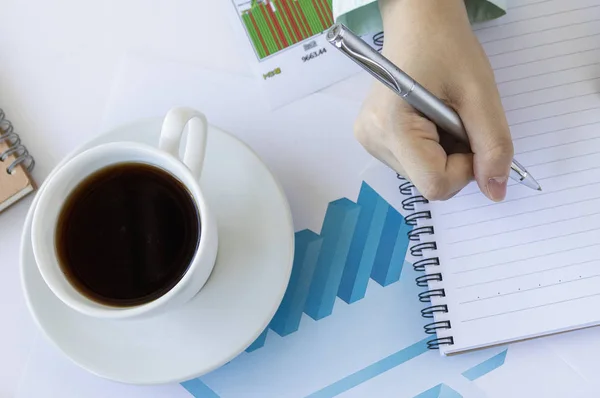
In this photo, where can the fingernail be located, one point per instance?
(496, 188)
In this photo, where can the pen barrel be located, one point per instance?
(397, 80)
(437, 111)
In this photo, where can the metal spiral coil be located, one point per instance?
(410, 202)
(415, 234)
(429, 311)
(412, 219)
(432, 328)
(423, 280)
(15, 148)
(436, 343)
(425, 297)
(421, 238)
(406, 188)
(418, 249)
(420, 265)
(378, 40)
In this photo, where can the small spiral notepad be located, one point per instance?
(15, 166)
(494, 273)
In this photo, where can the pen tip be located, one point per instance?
(539, 188)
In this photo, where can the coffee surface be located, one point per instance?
(127, 234)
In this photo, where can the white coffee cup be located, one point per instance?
(64, 180)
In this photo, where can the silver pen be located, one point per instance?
(415, 94)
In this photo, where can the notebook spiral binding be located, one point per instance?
(421, 244)
(378, 41)
(15, 147)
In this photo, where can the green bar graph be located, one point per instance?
(274, 25)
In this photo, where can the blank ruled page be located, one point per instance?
(531, 265)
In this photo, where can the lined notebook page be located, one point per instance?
(531, 265)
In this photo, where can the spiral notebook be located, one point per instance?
(529, 266)
(15, 166)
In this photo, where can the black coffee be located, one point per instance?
(127, 234)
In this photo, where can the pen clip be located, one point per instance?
(372, 66)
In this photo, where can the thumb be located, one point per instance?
(490, 141)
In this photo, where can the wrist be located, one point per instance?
(414, 28)
(400, 15)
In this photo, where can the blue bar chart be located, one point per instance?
(365, 243)
(259, 342)
(338, 230)
(358, 242)
(392, 249)
(307, 249)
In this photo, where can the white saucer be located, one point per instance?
(256, 244)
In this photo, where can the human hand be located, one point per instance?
(432, 41)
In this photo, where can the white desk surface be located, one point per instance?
(57, 62)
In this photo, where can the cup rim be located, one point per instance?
(176, 168)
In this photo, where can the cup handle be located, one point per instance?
(173, 126)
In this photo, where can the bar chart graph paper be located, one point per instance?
(274, 25)
(358, 242)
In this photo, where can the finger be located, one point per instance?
(434, 173)
(490, 140)
(402, 139)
